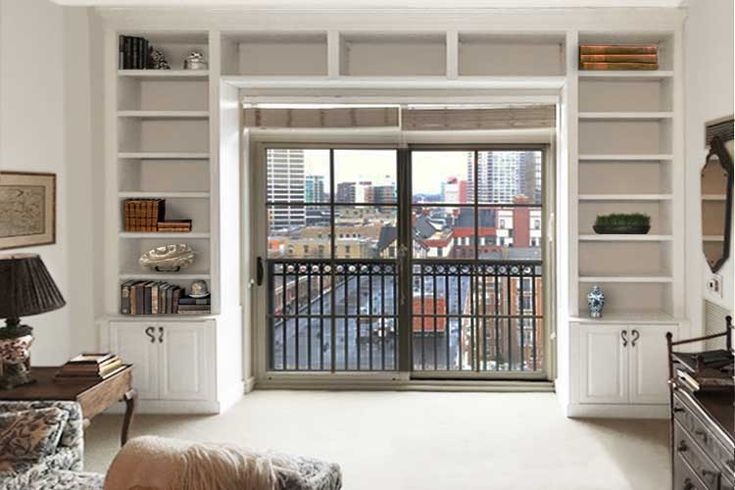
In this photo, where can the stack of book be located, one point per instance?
(90, 367)
(195, 306)
(143, 214)
(150, 298)
(710, 370)
(618, 57)
(175, 226)
(134, 53)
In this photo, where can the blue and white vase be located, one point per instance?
(595, 301)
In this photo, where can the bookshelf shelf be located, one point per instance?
(157, 234)
(624, 197)
(626, 279)
(625, 238)
(658, 157)
(625, 116)
(160, 155)
(626, 75)
(161, 276)
(165, 74)
(164, 114)
(164, 195)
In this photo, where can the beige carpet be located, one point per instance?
(426, 441)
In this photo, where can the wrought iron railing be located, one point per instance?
(343, 315)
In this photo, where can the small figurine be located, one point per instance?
(158, 60)
(195, 61)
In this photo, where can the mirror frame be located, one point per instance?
(717, 148)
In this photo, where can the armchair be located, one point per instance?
(62, 467)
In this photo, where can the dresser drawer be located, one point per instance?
(684, 477)
(698, 461)
(698, 428)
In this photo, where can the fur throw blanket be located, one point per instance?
(155, 463)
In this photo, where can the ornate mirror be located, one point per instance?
(717, 188)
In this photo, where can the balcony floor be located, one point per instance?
(412, 440)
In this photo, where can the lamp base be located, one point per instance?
(15, 355)
(15, 375)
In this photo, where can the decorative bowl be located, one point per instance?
(169, 258)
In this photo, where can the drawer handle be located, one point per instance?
(160, 334)
(624, 336)
(702, 434)
(682, 446)
(688, 485)
(149, 333)
(678, 409)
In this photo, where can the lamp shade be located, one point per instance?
(26, 287)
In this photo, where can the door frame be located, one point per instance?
(405, 377)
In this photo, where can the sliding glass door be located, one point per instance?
(425, 261)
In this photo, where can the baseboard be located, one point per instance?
(580, 410)
(169, 406)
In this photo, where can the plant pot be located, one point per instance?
(621, 229)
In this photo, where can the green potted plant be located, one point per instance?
(618, 223)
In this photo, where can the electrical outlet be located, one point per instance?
(714, 285)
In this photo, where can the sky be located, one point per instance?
(430, 168)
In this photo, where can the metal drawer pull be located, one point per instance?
(710, 475)
(160, 334)
(636, 336)
(678, 409)
(149, 333)
(624, 336)
(702, 434)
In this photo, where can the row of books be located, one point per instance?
(618, 57)
(150, 215)
(90, 366)
(134, 53)
(140, 297)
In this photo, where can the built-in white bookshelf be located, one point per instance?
(628, 162)
(162, 123)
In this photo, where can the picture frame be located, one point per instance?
(27, 209)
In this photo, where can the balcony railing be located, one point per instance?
(343, 315)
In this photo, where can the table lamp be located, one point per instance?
(26, 288)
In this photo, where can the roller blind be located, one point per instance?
(413, 118)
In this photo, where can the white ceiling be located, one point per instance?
(380, 4)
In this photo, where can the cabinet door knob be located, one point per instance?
(624, 336)
(160, 334)
(149, 333)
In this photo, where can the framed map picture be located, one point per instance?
(27, 209)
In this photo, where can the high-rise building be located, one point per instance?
(504, 175)
(314, 189)
(285, 184)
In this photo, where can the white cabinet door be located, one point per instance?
(603, 360)
(649, 364)
(185, 361)
(135, 345)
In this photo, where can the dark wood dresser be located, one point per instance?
(703, 440)
(702, 429)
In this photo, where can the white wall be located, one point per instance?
(709, 95)
(45, 127)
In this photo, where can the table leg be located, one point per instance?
(130, 399)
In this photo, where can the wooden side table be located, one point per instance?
(93, 396)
